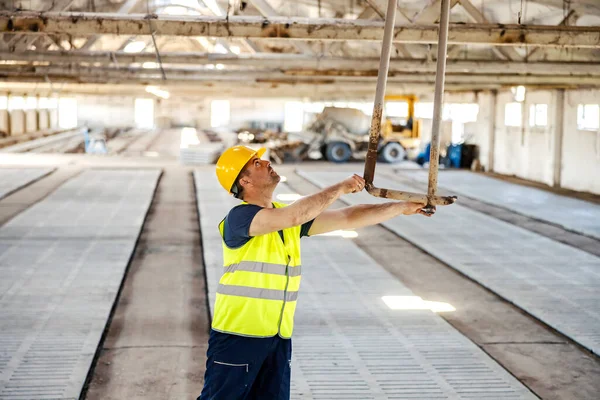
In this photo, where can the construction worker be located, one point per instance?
(250, 349)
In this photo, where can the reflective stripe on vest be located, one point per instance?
(265, 268)
(256, 293)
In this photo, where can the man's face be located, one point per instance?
(261, 174)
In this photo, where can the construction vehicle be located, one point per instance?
(343, 133)
(339, 134)
(407, 133)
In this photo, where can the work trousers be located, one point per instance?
(245, 368)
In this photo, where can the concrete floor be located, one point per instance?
(155, 344)
(13, 179)
(157, 339)
(578, 216)
(545, 361)
(557, 284)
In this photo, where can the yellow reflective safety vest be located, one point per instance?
(257, 293)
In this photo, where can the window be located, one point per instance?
(588, 117)
(44, 103)
(47, 103)
(144, 113)
(3, 102)
(461, 112)
(513, 114)
(293, 116)
(30, 103)
(16, 103)
(396, 109)
(424, 110)
(519, 93)
(314, 107)
(219, 113)
(538, 115)
(67, 113)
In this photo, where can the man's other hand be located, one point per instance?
(415, 208)
(353, 184)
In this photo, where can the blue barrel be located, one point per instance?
(454, 154)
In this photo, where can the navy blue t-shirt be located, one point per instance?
(237, 225)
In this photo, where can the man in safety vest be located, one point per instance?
(250, 350)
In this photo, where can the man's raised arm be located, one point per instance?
(270, 220)
(362, 215)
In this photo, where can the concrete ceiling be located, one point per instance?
(61, 52)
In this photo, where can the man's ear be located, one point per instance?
(244, 181)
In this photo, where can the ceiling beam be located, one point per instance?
(125, 8)
(570, 19)
(299, 61)
(504, 52)
(224, 89)
(267, 11)
(103, 74)
(25, 41)
(216, 9)
(353, 88)
(84, 24)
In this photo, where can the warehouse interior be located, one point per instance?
(113, 114)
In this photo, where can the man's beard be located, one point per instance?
(275, 178)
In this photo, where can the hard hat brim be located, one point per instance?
(260, 152)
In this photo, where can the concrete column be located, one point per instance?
(559, 114)
(44, 119)
(5, 122)
(31, 121)
(492, 129)
(17, 122)
(53, 117)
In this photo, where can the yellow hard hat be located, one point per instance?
(231, 163)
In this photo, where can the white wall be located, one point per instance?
(446, 125)
(539, 140)
(243, 111)
(528, 152)
(108, 111)
(581, 149)
(195, 112)
(507, 149)
(180, 112)
(525, 151)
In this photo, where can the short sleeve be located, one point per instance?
(305, 228)
(237, 225)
